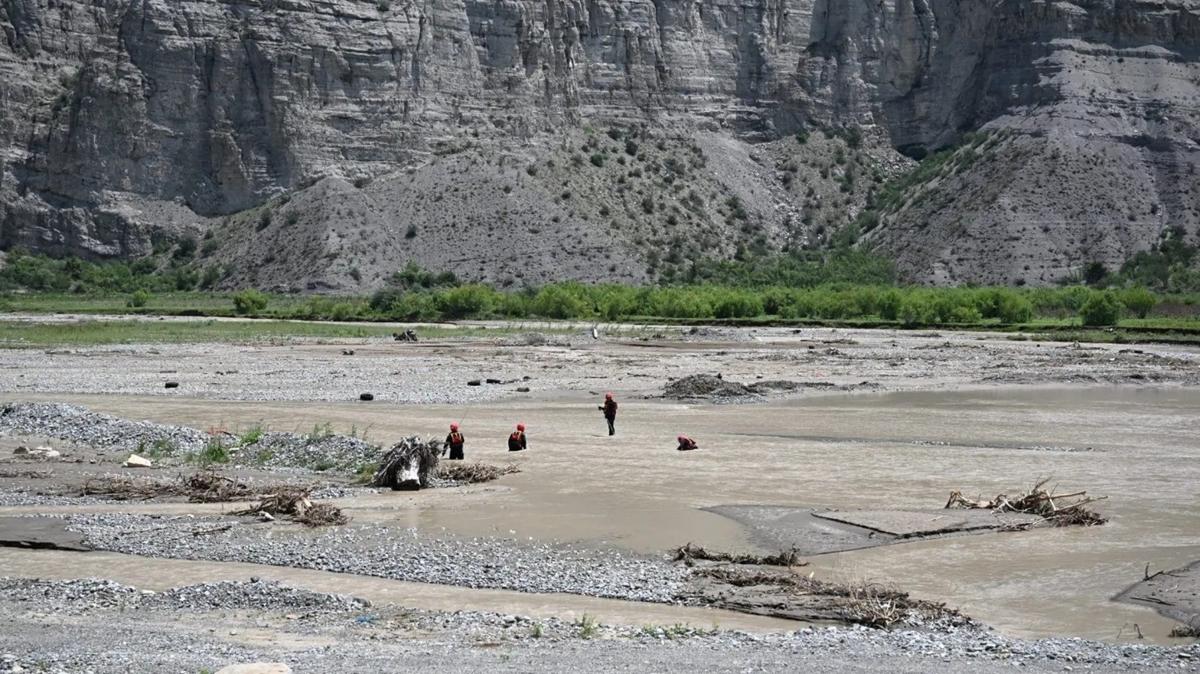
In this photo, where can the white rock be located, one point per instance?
(135, 461)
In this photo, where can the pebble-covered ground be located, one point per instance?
(99, 626)
(390, 552)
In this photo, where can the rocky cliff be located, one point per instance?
(323, 144)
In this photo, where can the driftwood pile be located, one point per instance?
(293, 502)
(473, 473)
(199, 487)
(869, 604)
(689, 554)
(1057, 509)
(408, 464)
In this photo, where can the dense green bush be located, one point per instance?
(138, 299)
(560, 301)
(1138, 300)
(465, 301)
(249, 302)
(1101, 309)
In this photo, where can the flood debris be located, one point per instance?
(781, 592)
(294, 503)
(1191, 630)
(200, 487)
(408, 465)
(689, 554)
(1056, 509)
(473, 473)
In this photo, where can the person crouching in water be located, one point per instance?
(516, 439)
(686, 444)
(610, 412)
(454, 442)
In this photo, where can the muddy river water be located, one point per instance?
(1139, 447)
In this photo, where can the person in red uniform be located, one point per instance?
(610, 412)
(454, 442)
(686, 444)
(516, 439)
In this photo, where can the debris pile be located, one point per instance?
(1057, 509)
(211, 487)
(293, 502)
(200, 487)
(689, 554)
(706, 386)
(472, 473)
(780, 592)
(409, 464)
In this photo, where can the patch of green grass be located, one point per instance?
(252, 435)
(589, 628)
(214, 452)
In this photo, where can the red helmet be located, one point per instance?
(682, 438)
(608, 396)
(520, 427)
(454, 427)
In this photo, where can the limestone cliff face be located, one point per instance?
(126, 120)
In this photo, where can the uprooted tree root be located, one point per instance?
(473, 473)
(869, 604)
(409, 454)
(293, 502)
(689, 553)
(1061, 510)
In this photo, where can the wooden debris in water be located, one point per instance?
(473, 473)
(689, 553)
(1057, 509)
(410, 460)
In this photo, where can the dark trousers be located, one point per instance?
(612, 430)
(456, 453)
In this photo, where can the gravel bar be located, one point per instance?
(385, 552)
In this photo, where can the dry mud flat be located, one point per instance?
(635, 361)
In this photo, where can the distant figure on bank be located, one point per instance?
(454, 442)
(610, 412)
(516, 439)
(686, 444)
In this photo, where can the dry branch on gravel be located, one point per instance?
(473, 473)
(200, 487)
(689, 553)
(293, 502)
(210, 487)
(1057, 509)
(868, 604)
(126, 489)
